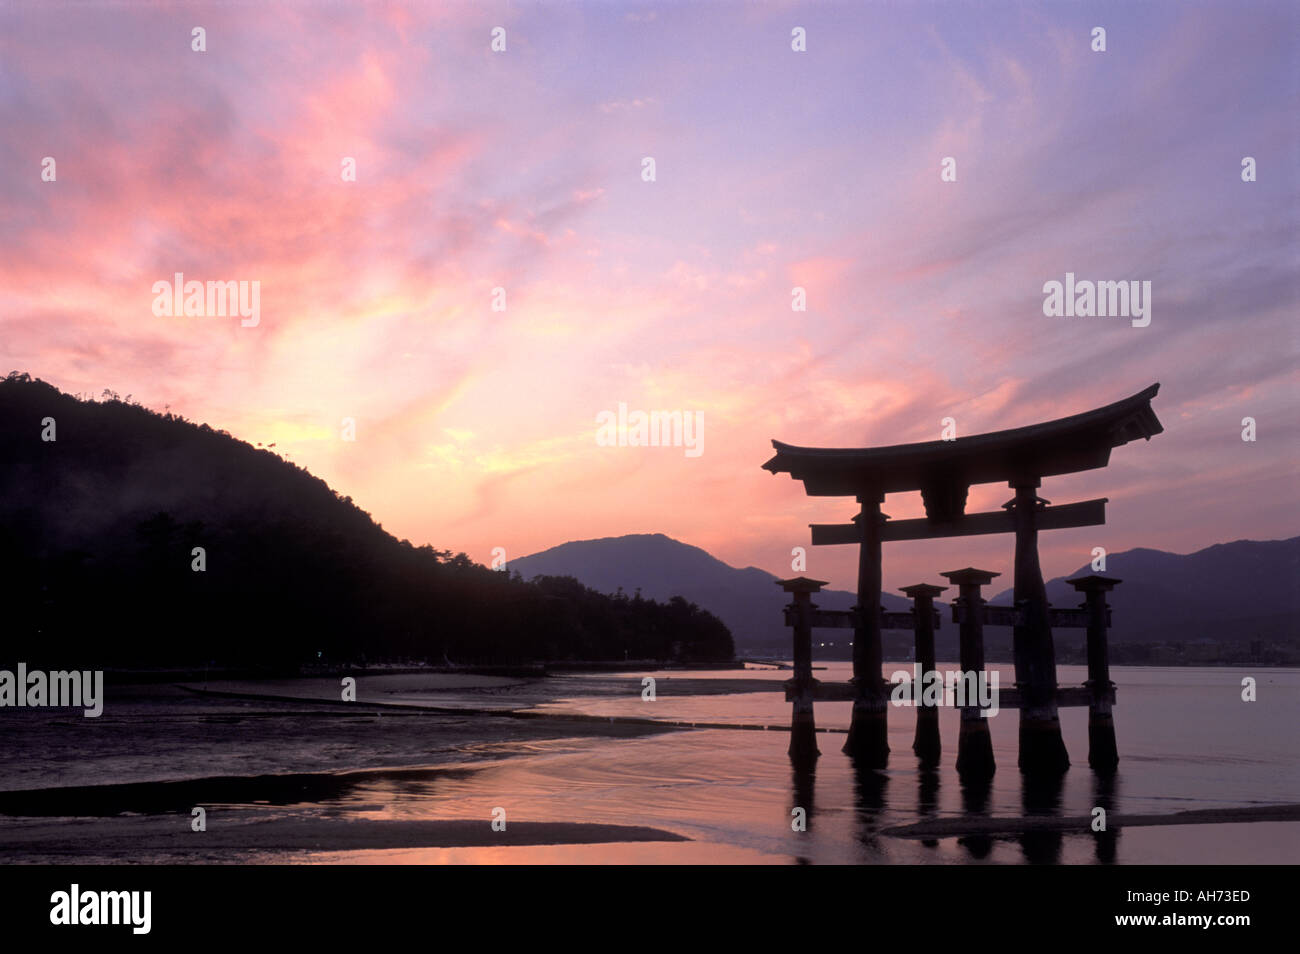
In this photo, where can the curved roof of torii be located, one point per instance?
(1064, 446)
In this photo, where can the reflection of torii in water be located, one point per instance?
(943, 471)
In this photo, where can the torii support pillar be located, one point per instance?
(803, 727)
(1103, 754)
(926, 744)
(868, 741)
(1042, 750)
(974, 745)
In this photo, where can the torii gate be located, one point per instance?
(943, 471)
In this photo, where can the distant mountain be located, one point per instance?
(745, 599)
(1233, 591)
(132, 538)
(1248, 589)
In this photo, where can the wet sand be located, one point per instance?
(162, 797)
(159, 735)
(126, 837)
(503, 711)
(967, 825)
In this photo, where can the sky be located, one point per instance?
(524, 170)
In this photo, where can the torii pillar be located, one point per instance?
(1042, 750)
(926, 743)
(974, 744)
(803, 726)
(868, 740)
(1103, 755)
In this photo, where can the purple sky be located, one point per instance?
(522, 170)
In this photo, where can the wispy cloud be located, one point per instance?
(521, 171)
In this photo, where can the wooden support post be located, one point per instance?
(1103, 754)
(803, 727)
(974, 745)
(868, 740)
(1042, 750)
(926, 743)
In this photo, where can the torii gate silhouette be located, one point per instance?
(943, 471)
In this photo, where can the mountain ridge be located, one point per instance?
(129, 537)
(1166, 595)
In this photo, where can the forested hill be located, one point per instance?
(97, 535)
